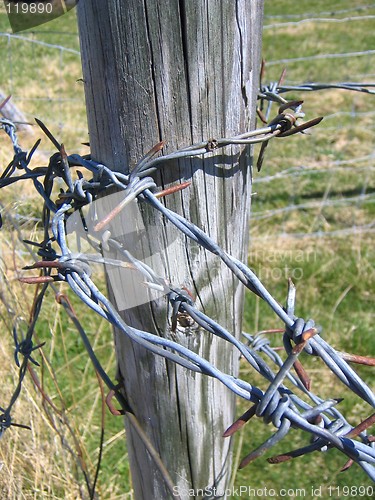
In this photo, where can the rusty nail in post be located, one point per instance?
(240, 422)
(212, 144)
(108, 402)
(173, 189)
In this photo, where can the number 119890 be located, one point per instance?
(29, 8)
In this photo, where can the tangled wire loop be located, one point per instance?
(278, 404)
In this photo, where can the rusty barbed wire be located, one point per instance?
(278, 404)
(270, 92)
(64, 301)
(23, 346)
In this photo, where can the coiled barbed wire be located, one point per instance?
(278, 404)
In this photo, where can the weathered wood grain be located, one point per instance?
(182, 72)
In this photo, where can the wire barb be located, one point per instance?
(278, 404)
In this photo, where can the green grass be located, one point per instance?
(335, 287)
(334, 276)
(339, 137)
(44, 81)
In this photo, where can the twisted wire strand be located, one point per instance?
(277, 404)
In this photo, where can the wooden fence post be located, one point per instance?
(182, 72)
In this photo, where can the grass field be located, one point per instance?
(334, 274)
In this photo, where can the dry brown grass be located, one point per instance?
(34, 463)
(49, 460)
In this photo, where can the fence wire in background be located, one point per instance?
(51, 108)
(55, 93)
(325, 13)
(273, 93)
(346, 184)
(278, 404)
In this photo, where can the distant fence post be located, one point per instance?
(182, 72)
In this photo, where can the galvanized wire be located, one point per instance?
(332, 12)
(11, 36)
(303, 87)
(350, 231)
(275, 91)
(270, 92)
(349, 200)
(334, 55)
(318, 20)
(278, 404)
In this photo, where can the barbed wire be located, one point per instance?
(270, 93)
(318, 20)
(6, 419)
(352, 200)
(349, 231)
(304, 170)
(316, 57)
(278, 404)
(22, 346)
(10, 36)
(20, 47)
(332, 12)
(353, 86)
